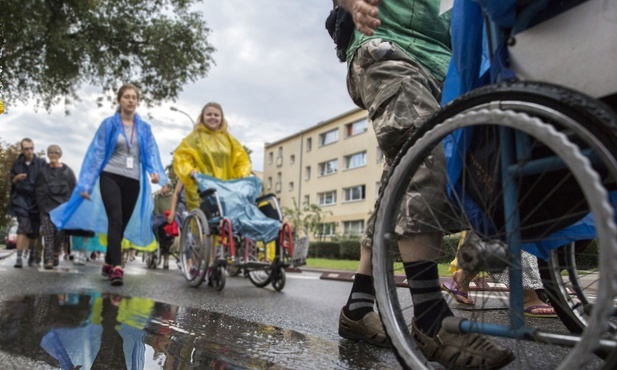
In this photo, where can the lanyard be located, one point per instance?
(129, 143)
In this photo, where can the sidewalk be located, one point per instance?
(478, 284)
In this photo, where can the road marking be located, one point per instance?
(297, 276)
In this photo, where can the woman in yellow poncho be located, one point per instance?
(209, 149)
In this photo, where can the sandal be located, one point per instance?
(529, 311)
(461, 351)
(460, 297)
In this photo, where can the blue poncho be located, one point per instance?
(90, 215)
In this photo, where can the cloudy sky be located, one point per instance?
(276, 73)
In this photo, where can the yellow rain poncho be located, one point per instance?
(214, 153)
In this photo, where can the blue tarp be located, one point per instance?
(238, 200)
(470, 68)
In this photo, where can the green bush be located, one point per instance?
(350, 249)
(324, 250)
(588, 259)
(448, 248)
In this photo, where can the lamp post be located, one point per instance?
(183, 112)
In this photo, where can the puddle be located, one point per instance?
(105, 331)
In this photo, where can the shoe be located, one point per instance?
(49, 265)
(31, 260)
(369, 329)
(116, 276)
(19, 263)
(78, 260)
(529, 311)
(56, 261)
(461, 351)
(460, 297)
(106, 270)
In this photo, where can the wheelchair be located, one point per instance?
(530, 165)
(231, 231)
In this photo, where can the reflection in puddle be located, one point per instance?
(106, 331)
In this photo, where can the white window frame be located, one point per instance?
(356, 128)
(354, 193)
(328, 137)
(349, 160)
(347, 225)
(327, 198)
(328, 167)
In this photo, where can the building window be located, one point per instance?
(291, 186)
(292, 159)
(307, 200)
(380, 156)
(355, 128)
(328, 229)
(354, 193)
(270, 158)
(355, 160)
(328, 137)
(327, 198)
(309, 144)
(307, 173)
(279, 156)
(329, 167)
(353, 227)
(269, 183)
(279, 183)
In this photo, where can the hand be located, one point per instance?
(364, 13)
(20, 177)
(192, 173)
(85, 195)
(154, 178)
(170, 218)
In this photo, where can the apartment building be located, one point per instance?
(335, 164)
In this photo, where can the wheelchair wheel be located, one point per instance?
(195, 245)
(261, 278)
(218, 278)
(574, 183)
(278, 281)
(152, 259)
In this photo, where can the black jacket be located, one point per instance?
(23, 198)
(54, 186)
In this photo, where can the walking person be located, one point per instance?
(397, 59)
(23, 203)
(209, 149)
(121, 157)
(162, 205)
(54, 186)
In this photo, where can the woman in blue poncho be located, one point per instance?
(121, 155)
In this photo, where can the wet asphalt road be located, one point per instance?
(295, 328)
(240, 327)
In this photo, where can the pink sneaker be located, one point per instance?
(106, 270)
(116, 276)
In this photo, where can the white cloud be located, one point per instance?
(276, 73)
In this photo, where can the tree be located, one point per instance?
(8, 155)
(308, 218)
(52, 47)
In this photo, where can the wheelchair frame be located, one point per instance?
(581, 132)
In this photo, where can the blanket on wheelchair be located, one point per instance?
(238, 202)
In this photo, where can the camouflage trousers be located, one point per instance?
(399, 94)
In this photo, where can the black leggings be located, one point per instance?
(119, 195)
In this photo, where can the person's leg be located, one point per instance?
(111, 194)
(48, 236)
(24, 228)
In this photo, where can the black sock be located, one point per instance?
(430, 308)
(361, 299)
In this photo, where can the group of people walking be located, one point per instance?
(112, 195)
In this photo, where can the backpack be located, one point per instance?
(340, 26)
